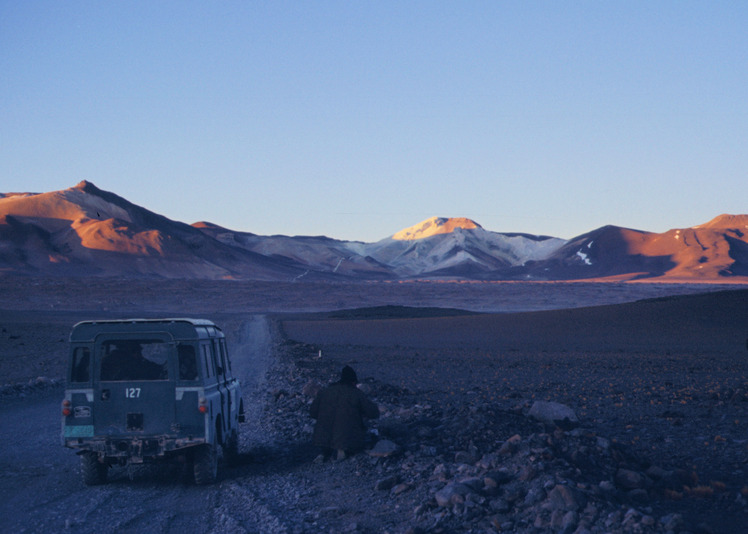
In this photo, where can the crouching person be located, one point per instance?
(340, 409)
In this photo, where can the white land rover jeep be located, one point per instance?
(145, 390)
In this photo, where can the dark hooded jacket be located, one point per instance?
(340, 409)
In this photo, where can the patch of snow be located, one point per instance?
(435, 226)
(584, 257)
(356, 247)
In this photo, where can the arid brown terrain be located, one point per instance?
(657, 376)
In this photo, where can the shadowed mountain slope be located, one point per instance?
(318, 253)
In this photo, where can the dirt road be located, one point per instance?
(42, 490)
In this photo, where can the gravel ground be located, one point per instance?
(660, 390)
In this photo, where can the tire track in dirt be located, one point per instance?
(252, 356)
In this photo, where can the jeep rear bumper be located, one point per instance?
(134, 448)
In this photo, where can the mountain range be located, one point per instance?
(85, 231)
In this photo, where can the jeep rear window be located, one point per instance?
(135, 359)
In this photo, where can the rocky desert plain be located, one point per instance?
(646, 383)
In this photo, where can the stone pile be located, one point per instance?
(34, 385)
(558, 481)
(548, 480)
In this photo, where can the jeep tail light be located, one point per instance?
(202, 405)
(66, 404)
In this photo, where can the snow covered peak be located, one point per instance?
(435, 226)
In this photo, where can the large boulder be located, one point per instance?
(554, 413)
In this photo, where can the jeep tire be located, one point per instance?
(93, 471)
(205, 464)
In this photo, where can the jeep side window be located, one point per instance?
(187, 362)
(208, 360)
(217, 358)
(225, 356)
(81, 371)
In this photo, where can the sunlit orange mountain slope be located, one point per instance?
(717, 250)
(84, 231)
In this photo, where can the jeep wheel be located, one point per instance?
(205, 466)
(231, 449)
(93, 471)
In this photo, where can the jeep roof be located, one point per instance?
(182, 327)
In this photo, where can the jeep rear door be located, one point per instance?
(134, 391)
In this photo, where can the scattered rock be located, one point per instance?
(511, 445)
(628, 479)
(400, 488)
(311, 389)
(453, 493)
(384, 448)
(565, 498)
(385, 484)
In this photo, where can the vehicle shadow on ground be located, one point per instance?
(275, 457)
(150, 475)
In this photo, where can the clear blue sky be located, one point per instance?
(357, 119)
